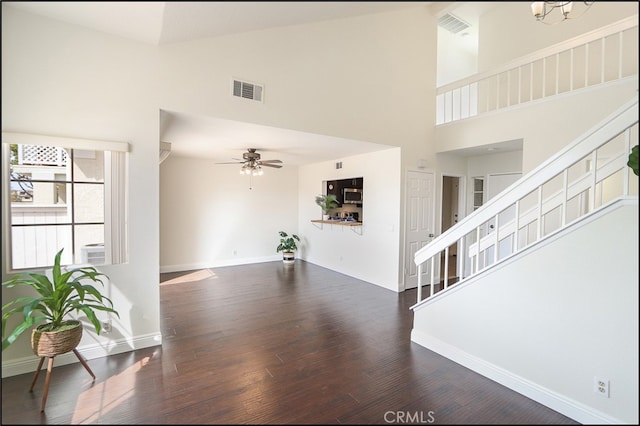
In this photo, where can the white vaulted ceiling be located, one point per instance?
(163, 23)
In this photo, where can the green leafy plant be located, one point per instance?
(633, 160)
(287, 242)
(327, 202)
(65, 292)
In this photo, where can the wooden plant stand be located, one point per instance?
(47, 380)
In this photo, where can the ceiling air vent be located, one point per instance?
(243, 89)
(452, 23)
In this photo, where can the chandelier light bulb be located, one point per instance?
(537, 8)
(542, 9)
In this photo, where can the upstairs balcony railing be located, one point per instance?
(583, 177)
(602, 56)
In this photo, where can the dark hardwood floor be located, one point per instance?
(273, 344)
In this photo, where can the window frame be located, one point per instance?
(115, 168)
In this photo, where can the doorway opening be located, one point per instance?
(452, 211)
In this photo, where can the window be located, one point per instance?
(478, 192)
(63, 193)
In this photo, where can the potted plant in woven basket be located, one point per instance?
(287, 246)
(59, 294)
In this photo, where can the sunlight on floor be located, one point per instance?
(95, 396)
(193, 276)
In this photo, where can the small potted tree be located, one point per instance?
(326, 203)
(288, 247)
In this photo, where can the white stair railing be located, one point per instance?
(584, 176)
(601, 56)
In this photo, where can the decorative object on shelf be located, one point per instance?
(326, 203)
(288, 247)
(633, 160)
(543, 9)
(252, 164)
(59, 294)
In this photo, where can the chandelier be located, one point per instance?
(543, 9)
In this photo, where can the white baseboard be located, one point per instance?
(29, 364)
(560, 403)
(219, 263)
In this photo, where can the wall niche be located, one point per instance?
(350, 196)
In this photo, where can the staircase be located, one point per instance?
(584, 177)
(544, 299)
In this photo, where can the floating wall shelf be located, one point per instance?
(354, 226)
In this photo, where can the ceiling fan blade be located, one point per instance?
(233, 162)
(271, 161)
(277, 166)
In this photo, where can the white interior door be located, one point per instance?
(419, 221)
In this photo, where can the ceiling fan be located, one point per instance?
(252, 164)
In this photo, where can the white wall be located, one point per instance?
(64, 81)
(571, 314)
(495, 44)
(370, 78)
(545, 127)
(357, 78)
(369, 253)
(454, 61)
(500, 162)
(510, 31)
(210, 215)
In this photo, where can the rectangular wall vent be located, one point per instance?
(452, 23)
(244, 89)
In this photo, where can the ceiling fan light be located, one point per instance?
(252, 165)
